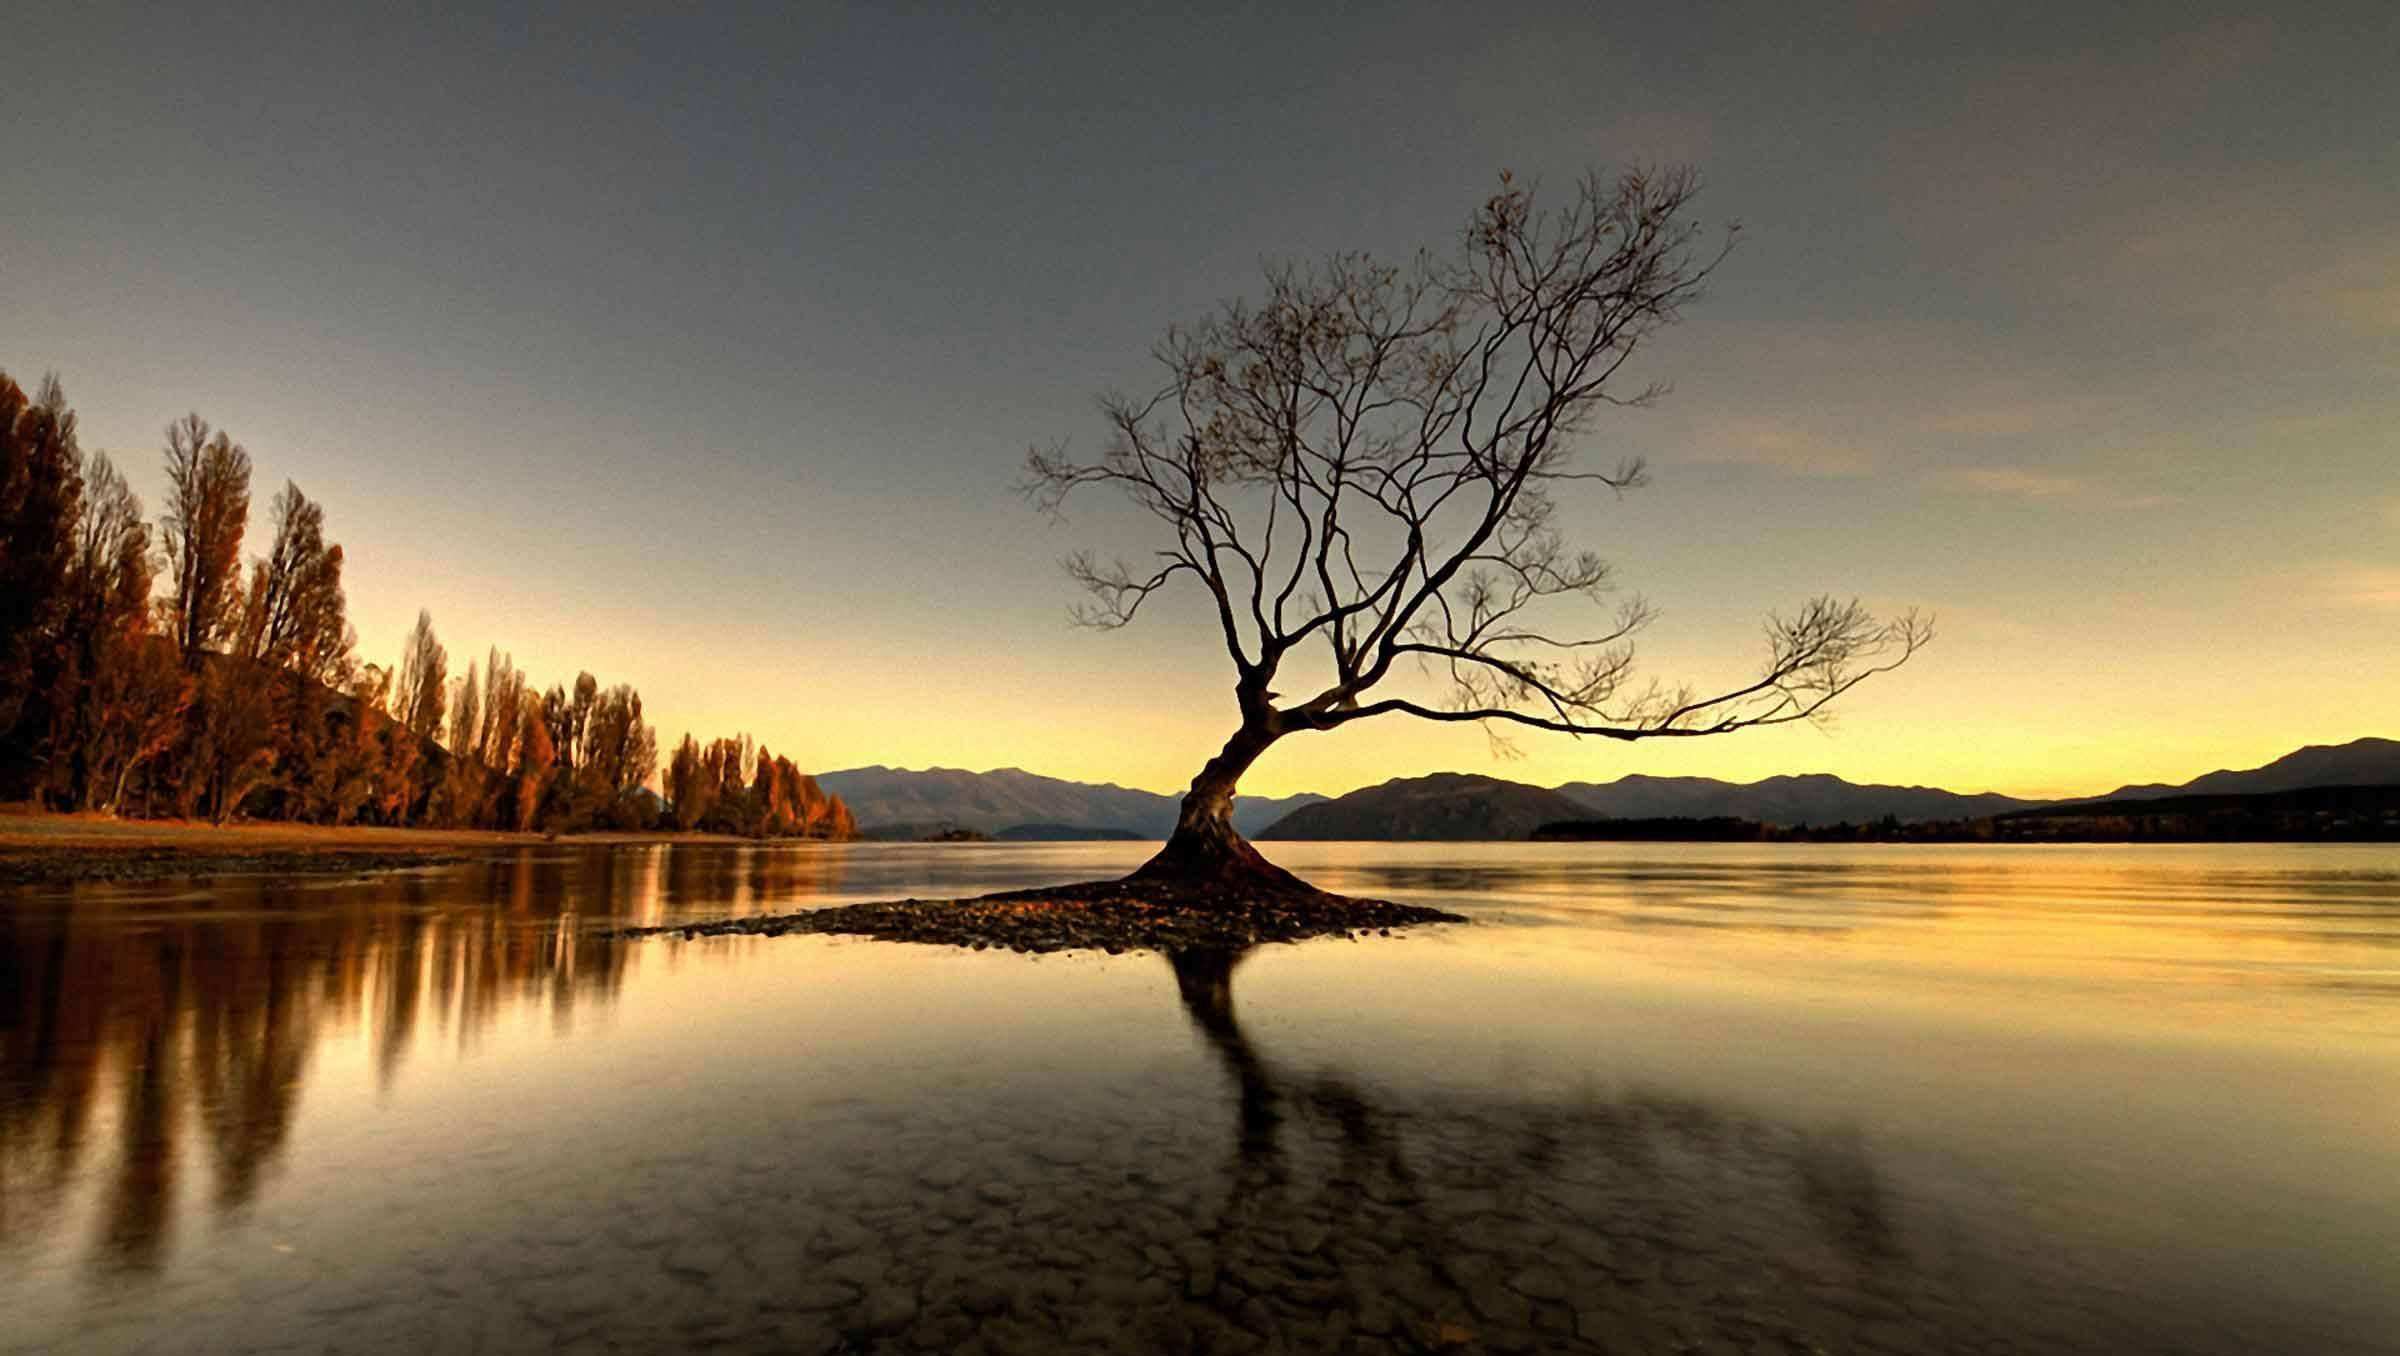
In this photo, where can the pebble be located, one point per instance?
(1541, 1283)
(817, 1296)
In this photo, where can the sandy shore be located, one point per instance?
(37, 846)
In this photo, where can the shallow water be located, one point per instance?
(1658, 1097)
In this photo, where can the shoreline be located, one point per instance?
(44, 847)
(40, 847)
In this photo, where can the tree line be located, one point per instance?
(143, 672)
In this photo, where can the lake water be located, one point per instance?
(1720, 1098)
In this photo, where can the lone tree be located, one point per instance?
(1358, 470)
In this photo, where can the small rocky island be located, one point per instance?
(1114, 916)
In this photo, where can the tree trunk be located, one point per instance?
(1205, 849)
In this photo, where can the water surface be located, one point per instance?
(1658, 1097)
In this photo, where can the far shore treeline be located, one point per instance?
(2309, 814)
(143, 673)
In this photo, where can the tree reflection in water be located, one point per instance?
(182, 1028)
(1635, 1222)
(815, 1192)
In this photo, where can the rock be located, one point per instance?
(1255, 1316)
(569, 1302)
(807, 1335)
(1496, 1303)
(863, 1270)
(839, 1234)
(1541, 1283)
(1466, 1270)
(942, 1332)
(1375, 1316)
(815, 1296)
(698, 1259)
(999, 1193)
(889, 1309)
(1684, 1269)
(985, 1299)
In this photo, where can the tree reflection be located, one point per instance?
(183, 1029)
(1635, 1219)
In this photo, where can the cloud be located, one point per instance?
(2017, 481)
(2362, 586)
(2347, 585)
(1782, 446)
(2023, 482)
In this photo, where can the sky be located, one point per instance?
(700, 349)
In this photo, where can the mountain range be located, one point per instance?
(1444, 807)
(892, 802)
(2361, 762)
(898, 802)
(1811, 798)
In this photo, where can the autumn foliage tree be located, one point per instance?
(1361, 474)
(41, 495)
(208, 506)
(231, 698)
(296, 617)
(419, 694)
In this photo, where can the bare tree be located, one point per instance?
(110, 719)
(109, 571)
(466, 714)
(503, 709)
(536, 755)
(297, 617)
(208, 505)
(418, 690)
(1361, 468)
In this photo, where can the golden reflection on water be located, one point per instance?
(2194, 1039)
(168, 1029)
(2210, 935)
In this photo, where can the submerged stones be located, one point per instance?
(1174, 1231)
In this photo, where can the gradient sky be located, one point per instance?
(700, 350)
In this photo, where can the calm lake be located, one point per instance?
(1724, 1098)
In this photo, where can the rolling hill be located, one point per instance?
(1012, 798)
(1447, 806)
(1815, 798)
(2361, 762)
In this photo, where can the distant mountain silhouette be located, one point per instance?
(1447, 806)
(1062, 833)
(2335, 812)
(1013, 800)
(2361, 762)
(1815, 798)
(1009, 797)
